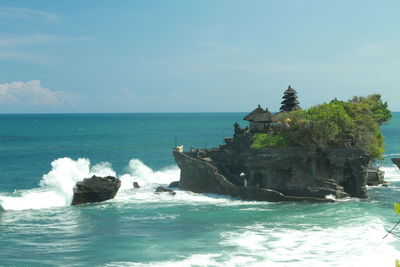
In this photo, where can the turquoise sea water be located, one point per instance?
(42, 156)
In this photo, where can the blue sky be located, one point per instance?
(194, 56)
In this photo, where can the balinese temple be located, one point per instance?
(263, 120)
(266, 120)
(290, 102)
(252, 116)
(260, 119)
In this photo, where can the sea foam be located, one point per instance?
(56, 187)
(392, 173)
(353, 244)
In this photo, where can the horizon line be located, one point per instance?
(82, 113)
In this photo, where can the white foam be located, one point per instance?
(351, 244)
(102, 169)
(392, 173)
(56, 187)
(358, 244)
(146, 177)
(331, 197)
(149, 179)
(392, 154)
(194, 260)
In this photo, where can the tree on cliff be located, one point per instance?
(373, 106)
(353, 124)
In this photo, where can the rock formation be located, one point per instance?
(95, 189)
(375, 177)
(174, 184)
(396, 161)
(270, 174)
(294, 155)
(161, 189)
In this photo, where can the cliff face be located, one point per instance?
(275, 174)
(201, 176)
(299, 172)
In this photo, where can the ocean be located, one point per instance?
(42, 156)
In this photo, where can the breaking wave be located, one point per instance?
(263, 245)
(392, 173)
(56, 187)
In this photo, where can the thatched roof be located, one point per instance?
(264, 117)
(289, 108)
(267, 117)
(289, 96)
(290, 90)
(290, 102)
(252, 115)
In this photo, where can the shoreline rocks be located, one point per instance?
(162, 189)
(95, 189)
(375, 177)
(292, 174)
(396, 161)
(174, 184)
(136, 185)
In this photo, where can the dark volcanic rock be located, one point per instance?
(95, 189)
(161, 189)
(174, 184)
(396, 161)
(290, 174)
(375, 177)
(136, 185)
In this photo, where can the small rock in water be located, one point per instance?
(174, 184)
(136, 185)
(161, 189)
(95, 189)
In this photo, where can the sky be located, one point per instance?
(194, 56)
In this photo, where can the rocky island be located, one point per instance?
(295, 154)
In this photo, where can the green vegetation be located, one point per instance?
(355, 123)
(272, 140)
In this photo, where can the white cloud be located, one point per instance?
(18, 46)
(15, 13)
(31, 93)
(24, 57)
(38, 39)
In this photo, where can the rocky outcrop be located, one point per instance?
(174, 184)
(162, 189)
(290, 174)
(396, 161)
(95, 189)
(375, 177)
(201, 177)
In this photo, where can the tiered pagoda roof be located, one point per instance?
(290, 102)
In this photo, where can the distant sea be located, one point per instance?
(43, 156)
